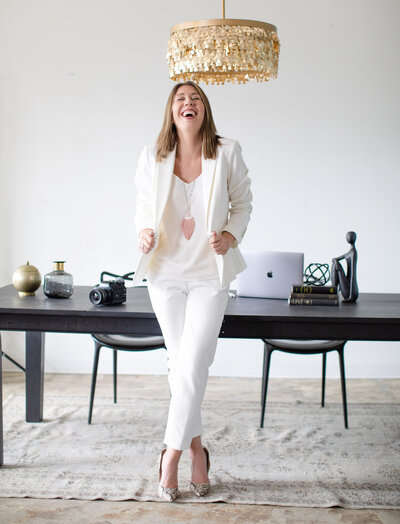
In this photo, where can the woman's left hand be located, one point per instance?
(221, 243)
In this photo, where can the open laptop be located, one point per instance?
(270, 274)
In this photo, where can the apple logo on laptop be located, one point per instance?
(270, 274)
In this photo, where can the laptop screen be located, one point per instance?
(270, 274)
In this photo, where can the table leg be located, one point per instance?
(1, 408)
(34, 363)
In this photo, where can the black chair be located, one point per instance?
(304, 347)
(119, 343)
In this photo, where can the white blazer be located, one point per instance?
(227, 201)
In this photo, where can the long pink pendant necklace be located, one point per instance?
(188, 223)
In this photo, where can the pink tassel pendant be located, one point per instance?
(188, 225)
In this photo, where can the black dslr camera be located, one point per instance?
(109, 293)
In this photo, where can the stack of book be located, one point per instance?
(314, 296)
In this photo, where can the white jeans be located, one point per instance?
(190, 315)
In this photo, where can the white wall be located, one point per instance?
(83, 85)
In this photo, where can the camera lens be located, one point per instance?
(97, 296)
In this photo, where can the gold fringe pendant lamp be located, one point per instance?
(223, 50)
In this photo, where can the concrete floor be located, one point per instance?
(283, 390)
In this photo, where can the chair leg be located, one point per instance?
(263, 373)
(97, 347)
(267, 361)
(343, 381)
(2, 354)
(115, 374)
(323, 379)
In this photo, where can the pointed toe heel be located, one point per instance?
(202, 489)
(167, 494)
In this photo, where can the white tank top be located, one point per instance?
(178, 258)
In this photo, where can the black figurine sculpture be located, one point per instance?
(346, 282)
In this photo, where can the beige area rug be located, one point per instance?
(303, 457)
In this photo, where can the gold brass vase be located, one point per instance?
(26, 280)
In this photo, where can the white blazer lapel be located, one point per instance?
(162, 187)
(165, 170)
(208, 174)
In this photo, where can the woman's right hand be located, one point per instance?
(146, 240)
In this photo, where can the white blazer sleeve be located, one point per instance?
(239, 194)
(144, 187)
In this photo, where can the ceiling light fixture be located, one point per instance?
(223, 50)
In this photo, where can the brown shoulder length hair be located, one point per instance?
(168, 137)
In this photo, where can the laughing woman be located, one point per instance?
(192, 209)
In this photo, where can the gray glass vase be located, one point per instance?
(58, 283)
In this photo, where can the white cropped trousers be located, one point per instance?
(190, 315)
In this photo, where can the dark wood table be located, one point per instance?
(372, 317)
